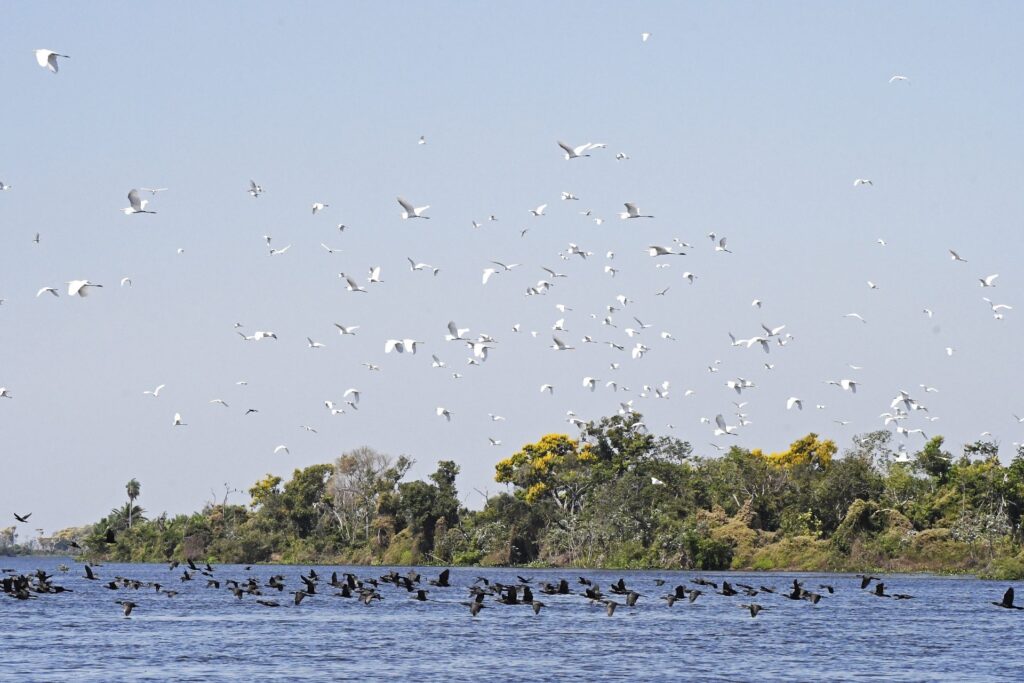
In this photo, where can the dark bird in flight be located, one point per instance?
(441, 580)
(108, 537)
(1007, 600)
(536, 604)
(421, 594)
(127, 606)
(754, 608)
(22, 518)
(268, 603)
(475, 607)
(251, 410)
(610, 606)
(866, 579)
(88, 573)
(631, 598)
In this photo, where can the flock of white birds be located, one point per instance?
(612, 325)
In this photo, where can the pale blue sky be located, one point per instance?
(747, 119)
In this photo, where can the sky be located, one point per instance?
(747, 120)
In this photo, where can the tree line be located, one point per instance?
(617, 496)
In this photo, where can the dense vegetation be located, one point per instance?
(617, 496)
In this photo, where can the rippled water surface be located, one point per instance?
(949, 631)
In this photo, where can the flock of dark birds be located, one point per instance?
(482, 593)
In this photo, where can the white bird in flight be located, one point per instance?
(44, 290)
(280, 448)
(319, 206)
(794, 401)
(177, 421)
(560, 345)
(577, 152)
(48, 59)
(539, 211)
(410, 211)
(444, 412)
(862, 181)
(632, 212)
(155, 392)
(722, 427)
(136, 205)
(401, 346)
(80, 287)
(989, 280)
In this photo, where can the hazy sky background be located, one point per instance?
(750, 120)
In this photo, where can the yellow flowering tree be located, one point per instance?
(804, 452)
(556, 468)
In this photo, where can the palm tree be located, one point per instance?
(133, 488)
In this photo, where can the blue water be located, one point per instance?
(948, 632)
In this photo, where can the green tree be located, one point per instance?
(133, 487)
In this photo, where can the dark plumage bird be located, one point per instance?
(631, 598)
(299, 595)
(705, 582)
(268, 603)
(474, 607)
(1007, 600)
(880, 590)
(754, 608)
(88, 573)
(584, 581)
(421, 594)
(108, 537)
(441, 580)
(610, 606)
(524, 579)
(694, 593)
(865, 580)
(727, 589)
(830, 589)
(127, 606)
(22, 518)
(659, 582)
(536, 604)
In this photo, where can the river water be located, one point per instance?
(949, 631)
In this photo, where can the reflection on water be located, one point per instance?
(949, 631)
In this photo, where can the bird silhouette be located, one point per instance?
(1007, 601)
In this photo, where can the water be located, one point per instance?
(949, 632)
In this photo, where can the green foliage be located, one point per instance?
(617, 496)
